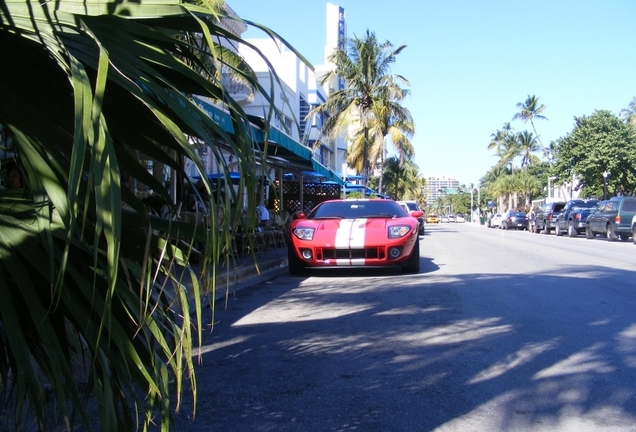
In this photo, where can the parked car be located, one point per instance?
(460, 218)
(514, 220)
(495, 220)
(444, 219)
(354, 233)
(612, 218)
(451, 218)
(634, 229)
(432, 218)
(410, 206)
(545, 219)
(573, 217)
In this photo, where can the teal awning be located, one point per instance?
(280, 150)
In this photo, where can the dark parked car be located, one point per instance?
(514, 220)
(612, 218)
(573, 218)
(545, 220)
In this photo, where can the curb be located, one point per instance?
(246, 275)
(242, 274)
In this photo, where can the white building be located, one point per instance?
(438, 186)
(299, 89)
(294, 91)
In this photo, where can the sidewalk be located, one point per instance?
(245, 271)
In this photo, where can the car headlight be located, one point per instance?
(399, 231)
(304, 233)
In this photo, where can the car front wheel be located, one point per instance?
(294, 263)
(413, 263)
(589, 233)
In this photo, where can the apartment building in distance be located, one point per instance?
(437, 186)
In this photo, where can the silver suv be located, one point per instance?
(410, 206)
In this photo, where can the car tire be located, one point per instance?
(545, 229)
(634, 235)
(611, 236)
(572, 232)
(294, 263)
(589, 234)
(413, 263)
(557, 231)
(624, 237)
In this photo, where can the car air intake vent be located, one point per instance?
(350, 253)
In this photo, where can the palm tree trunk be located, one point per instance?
(380, 185)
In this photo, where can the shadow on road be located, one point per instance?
(388, 351)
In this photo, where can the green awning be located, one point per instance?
(281, 151)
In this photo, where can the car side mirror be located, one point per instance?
(417, 213)
(298, 215)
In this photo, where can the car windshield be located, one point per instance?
(518, 214)
(412, 206)
(357, 210)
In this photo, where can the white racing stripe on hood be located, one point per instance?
(350, 233)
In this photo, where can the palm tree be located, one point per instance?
(527, 146)
(529, 185)
(401, 178)
(87, 93)
(528, 112)
(499, 138)
(364, 65)
(390, 119)
(507, 151)
(629, 114)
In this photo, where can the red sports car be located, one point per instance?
(355, 233)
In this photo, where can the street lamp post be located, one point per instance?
(605, 175)
(471, 202)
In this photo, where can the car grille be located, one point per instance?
(342, 253)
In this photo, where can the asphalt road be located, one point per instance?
(500, 331)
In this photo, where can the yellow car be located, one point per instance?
(432, 218)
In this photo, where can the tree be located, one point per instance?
(598, 143)
(86, 92)
(401, 178)
(390, 119)
(527, 145)
(528, 112)
(364, 65)
(629, 114)
(529, 186)
(499, 138)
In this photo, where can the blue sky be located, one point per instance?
(471, 61)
